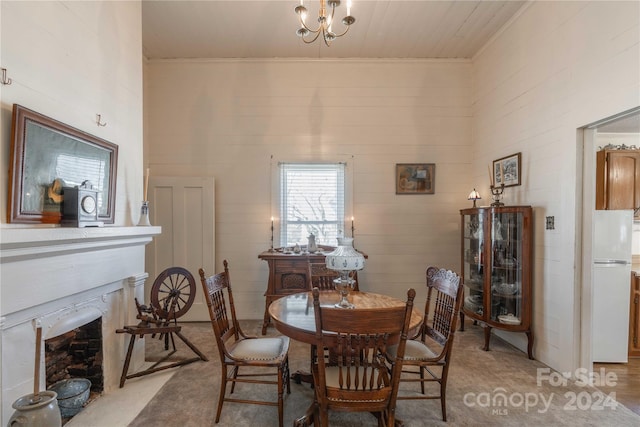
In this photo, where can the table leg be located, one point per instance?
(302, 377)
(265, 321)
(487, 337)
(530, 344)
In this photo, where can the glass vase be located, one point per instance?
(144, 214)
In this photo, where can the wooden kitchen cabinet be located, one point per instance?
(618, 180)
(634, 316)
(496, 269)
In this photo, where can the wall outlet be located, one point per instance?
(550, 223)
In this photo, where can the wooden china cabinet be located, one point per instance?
(496, 269)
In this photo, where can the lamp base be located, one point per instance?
(344, 287)
(496, 194)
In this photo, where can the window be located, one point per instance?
(312, 200)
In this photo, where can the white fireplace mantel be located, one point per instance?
(36, 242)
(39, 265)
(53, 277)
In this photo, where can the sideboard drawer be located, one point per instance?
(290, 266)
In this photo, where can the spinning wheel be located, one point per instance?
(173, 293)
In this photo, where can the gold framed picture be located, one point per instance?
(415, 178)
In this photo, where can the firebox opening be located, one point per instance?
(76, 354)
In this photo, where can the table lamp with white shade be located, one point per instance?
(474, 195)
(344, 259)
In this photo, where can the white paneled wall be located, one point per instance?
(559, 66)
(71, 61)
(232, 118)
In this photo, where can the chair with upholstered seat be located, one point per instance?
(322, 277)
(430, 351)
(357, 377)
(238, 350)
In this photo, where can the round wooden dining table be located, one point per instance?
(293, 315)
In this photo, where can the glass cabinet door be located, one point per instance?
(474, 271)
(507, 261)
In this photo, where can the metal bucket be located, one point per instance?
(72, 393)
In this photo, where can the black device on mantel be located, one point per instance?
(80, 206)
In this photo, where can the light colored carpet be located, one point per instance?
(477, 380)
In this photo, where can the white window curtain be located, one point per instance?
(312, 201)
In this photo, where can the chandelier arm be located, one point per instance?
(304, 25)
(343, 33)
(317, 33)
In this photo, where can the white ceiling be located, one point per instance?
(266, 28)
(627, 123)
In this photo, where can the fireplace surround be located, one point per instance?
(59, 279)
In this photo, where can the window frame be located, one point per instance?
(276, 192)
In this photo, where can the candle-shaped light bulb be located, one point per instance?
(348, 7)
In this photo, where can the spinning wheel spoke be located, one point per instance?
(174, 288)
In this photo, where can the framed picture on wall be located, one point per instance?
(415, 178)
(507, 170)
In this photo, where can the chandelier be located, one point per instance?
(325, 22)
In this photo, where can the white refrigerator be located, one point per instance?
(611, 272)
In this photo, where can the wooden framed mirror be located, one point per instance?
(46, 156)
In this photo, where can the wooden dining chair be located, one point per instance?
(358, 377)
(322, 277)
(238, 350)
(430, 351)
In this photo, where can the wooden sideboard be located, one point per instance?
(288, 274)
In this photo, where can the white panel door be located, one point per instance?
(184, 208)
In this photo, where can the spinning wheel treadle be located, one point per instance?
(174, 286)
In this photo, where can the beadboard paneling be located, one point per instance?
(558, 67)
(227, 118)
